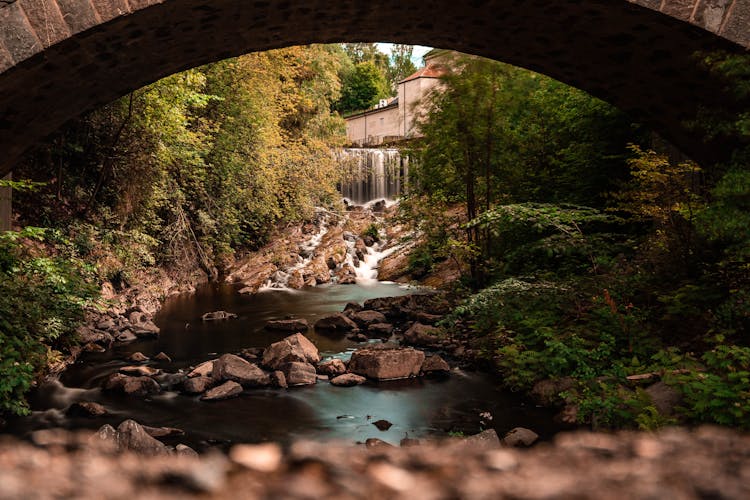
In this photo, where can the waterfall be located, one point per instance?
(372, 174)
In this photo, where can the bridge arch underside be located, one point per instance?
(641, 60)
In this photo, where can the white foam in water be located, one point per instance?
(280, 279)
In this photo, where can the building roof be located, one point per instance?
(429, 71)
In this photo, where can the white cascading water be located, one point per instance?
(280, 279)
(373, 174)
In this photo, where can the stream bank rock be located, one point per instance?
(386, 363)
(234, 368)
(435, 364)
(520, 437)
(293, 348)
(421, 335)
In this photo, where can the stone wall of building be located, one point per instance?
(373, 127)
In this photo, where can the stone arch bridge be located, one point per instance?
(59, 58)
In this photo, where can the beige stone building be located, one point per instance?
(394, 119)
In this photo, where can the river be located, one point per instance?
(416, 407)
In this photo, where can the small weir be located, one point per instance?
(373, 174)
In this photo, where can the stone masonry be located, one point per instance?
(59, 58)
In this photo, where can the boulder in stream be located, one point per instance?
(87, 409)
(348, 380)
(380, 330)
(386, 363)
(198, 385)
(332, 367)
(295, 347)
(298, 373)
(133, 437)
(132, 386)
(367, 318)
(232, 367)
(202, 370)
(335, 323)
(228, 389)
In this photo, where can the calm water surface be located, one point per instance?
(417, 407)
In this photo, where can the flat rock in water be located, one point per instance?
(385, 363)
(435, 364)
(332, 367)
(520, 437)
(348, 380)
(132, 386)
(228, 389)
(88, 409)
(158, 432)
(218, 315)
(335, 323)
(138, 357)
(298, 373)
(231, 367)
(295, 347)
(421, 335)
(163, 357)
(382, 425)
(288, 325)
(198, 385)
(140, 371)
(132, 436)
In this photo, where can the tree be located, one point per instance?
(400, 65)
(362, 88)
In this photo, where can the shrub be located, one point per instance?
(42, 301)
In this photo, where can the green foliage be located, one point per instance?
(42, 300)
(373, 231)
(721, 392)
(363, 86)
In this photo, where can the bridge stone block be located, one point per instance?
(46, 19)
(737, 26)
(681, 9)
(710, 14)
(78, 14)
(6, 61)
(17, 35)
(110, 9)
(140, 4)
